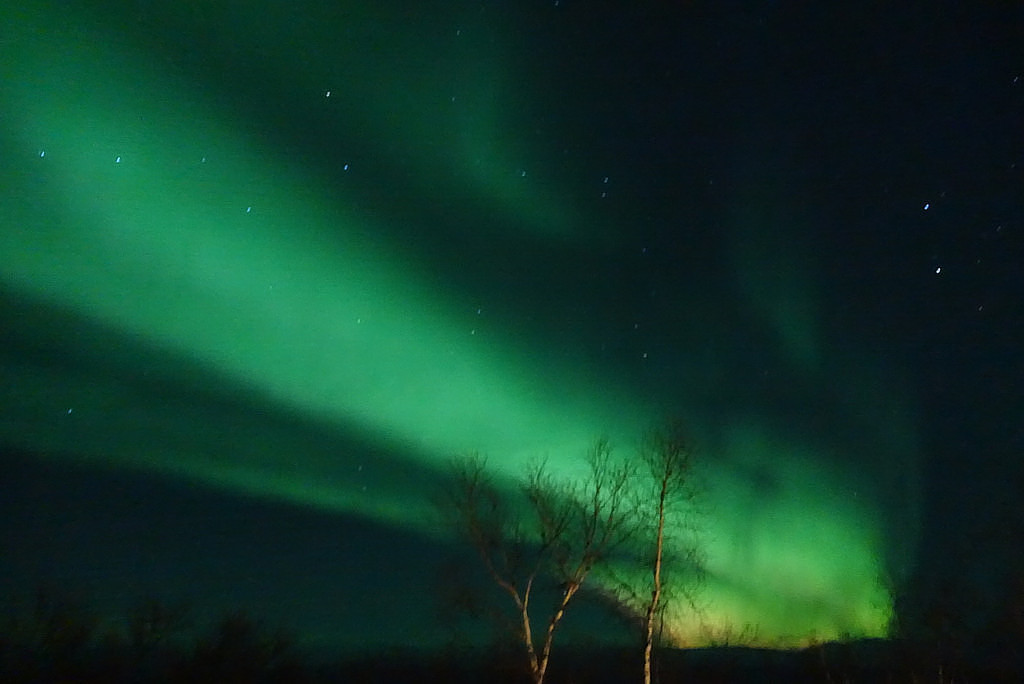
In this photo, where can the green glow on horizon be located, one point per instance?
(297, 302)
(828, 566)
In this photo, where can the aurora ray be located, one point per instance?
(138, 206)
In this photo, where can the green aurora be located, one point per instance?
(189, 295)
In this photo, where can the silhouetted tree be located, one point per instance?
(573, 526)
(153, 623)
(668, 455)
(50, 637)
(60, 630)
(933, 621)
(240, 649)
(665, 512)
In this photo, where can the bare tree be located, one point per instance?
(574, 526)
(153, 624)
(668, 455)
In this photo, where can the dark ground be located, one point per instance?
(56, 641)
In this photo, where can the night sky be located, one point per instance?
(265, 267)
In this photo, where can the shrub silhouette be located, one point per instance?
(241, 650)
(51, 640)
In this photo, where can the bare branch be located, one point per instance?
(576, 526)
(668, 454)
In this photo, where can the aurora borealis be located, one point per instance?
(305, 253)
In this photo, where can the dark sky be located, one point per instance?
(265, 267)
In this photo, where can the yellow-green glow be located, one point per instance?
(140, 205)
(804, 532)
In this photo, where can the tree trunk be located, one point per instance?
(652, 607)
(536, 668)
(550, 635)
